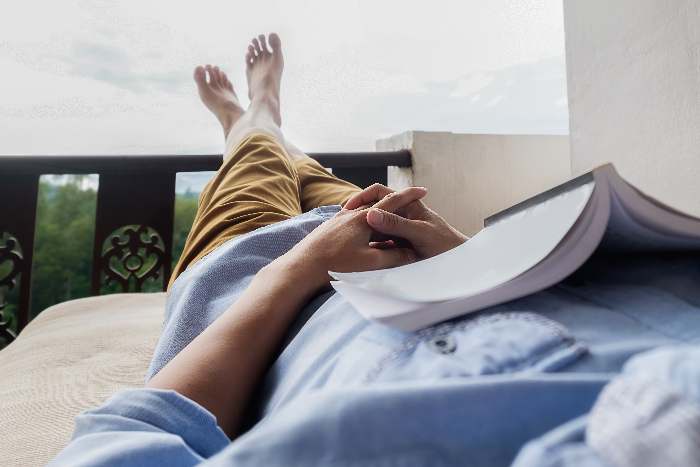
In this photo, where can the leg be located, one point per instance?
(220, 368)
(318, 186)
(257, 184)
(264, 73)
(264, 70)
(321, 188)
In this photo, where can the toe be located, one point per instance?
(248, 59)
(200, 75)
(263, 44)
(226, 82)
(275, 41)
(215, 77)
(251, 52)
(256, 44)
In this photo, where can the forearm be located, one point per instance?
(221, 367)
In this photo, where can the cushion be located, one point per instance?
(72, 357)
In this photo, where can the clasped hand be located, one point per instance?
(402, 219)
(377, 229)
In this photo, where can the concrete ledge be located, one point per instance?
(470, 177)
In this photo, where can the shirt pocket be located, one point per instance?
(490, 344)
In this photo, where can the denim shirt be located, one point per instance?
(345, 391)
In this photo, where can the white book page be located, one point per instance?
(374, 306)
(572, 251)
(497, 254)
(638, 223)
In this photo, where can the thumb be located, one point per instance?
(395, 225)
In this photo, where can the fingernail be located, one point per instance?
(375, 217)
(422, 188)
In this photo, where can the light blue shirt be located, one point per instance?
(345, 391)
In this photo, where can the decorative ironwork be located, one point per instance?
(128, 256)
(9, 252)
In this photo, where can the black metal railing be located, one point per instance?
(135, 199)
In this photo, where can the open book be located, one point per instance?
(522, 250)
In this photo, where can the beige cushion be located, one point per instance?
(73, 356)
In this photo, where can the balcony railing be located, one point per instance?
(135, 191)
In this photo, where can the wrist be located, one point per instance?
(300, 275)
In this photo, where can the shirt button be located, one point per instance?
(442, 344)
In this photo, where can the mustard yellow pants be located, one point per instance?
(258, 185)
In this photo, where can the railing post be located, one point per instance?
(142, 200)
(362, 176)
(136, 191)
(18, 197)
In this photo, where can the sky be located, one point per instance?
(115, 77)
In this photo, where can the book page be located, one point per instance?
(572, 251)
(628, 231)
(497, 254)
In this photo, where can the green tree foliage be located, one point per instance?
(64, 241)
(185, 210)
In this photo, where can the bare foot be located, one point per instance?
(218, 95)
(264, 73)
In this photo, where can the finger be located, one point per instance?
(391, 224)
(395, 201)
(401, 242)
(383, 245)
(395, 257)
(368, 196)
(379, 237)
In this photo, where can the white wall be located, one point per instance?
(633, 69)
(470, 177)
